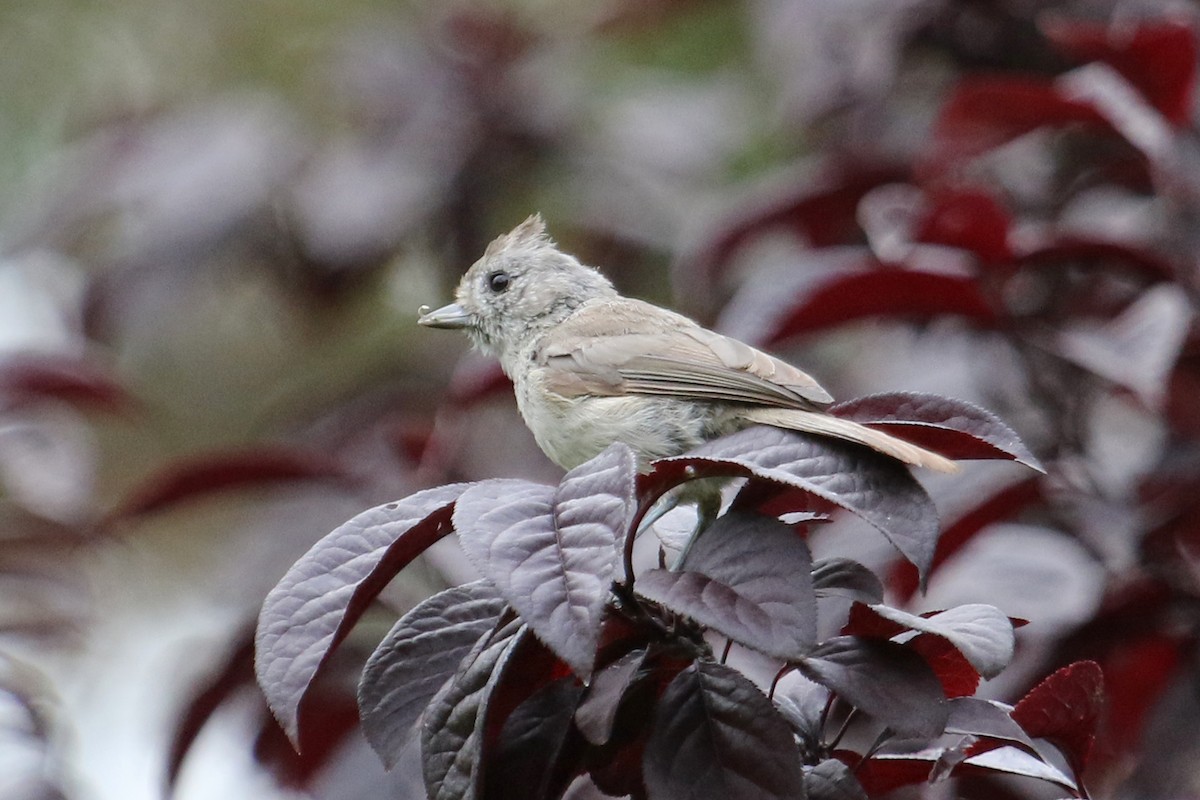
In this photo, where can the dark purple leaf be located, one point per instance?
(888, 215)
(199, 476)
(949, 759)
(802, 704)
(1012, 761)
(525, 764)
(996, 506)
(1118, 103)
(822, 209)
(595, 716)
(846, 578)
(1064, 709)
(748, 577)
(954, 428)
(905, 293)
(330, 722)
(419, 654)
(986, 718)
(35, 377)
(1096, 255)
(552, 551)
(958, 676)
(32, 764)
(236, 672)
(832, 780)
(885, 771)
(980, 632)
(306, 616)
(882, 678)
(875, 487)
(760, 303)
(584, 788)
(1138, 349)
(452, 732)
(716, 736)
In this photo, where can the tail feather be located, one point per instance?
(827, 425)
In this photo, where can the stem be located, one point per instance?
(639, 524)
(778, 677)
(880, 740)
(631, 536)
(725, 652)
(825, 711)
(842, 730)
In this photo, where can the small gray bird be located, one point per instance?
(591, 367)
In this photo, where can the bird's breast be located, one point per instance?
(571, 430)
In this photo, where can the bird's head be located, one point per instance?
(521, 287)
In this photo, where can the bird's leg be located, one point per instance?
(662, 507)
(706, 494)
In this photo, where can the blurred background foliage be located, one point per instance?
(217, 220)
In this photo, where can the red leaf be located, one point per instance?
(1136, 673)
(28, 378)
(984, 113)
(1157, 56)
(1182, 408)
(197, 476)
(884, 293)
(865, 621)
(1064, 709)
(970, 219)
(958, 677)
(879, 776)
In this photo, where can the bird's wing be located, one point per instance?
(629, 347)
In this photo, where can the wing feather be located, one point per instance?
(624, 346)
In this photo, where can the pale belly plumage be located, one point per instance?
(572, 430)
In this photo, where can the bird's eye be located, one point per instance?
(498, 281)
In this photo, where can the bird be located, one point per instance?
(590, 366)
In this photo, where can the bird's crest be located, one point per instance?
(530, 232)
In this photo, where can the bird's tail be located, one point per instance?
(827, 425)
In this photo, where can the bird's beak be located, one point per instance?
(451, 316)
